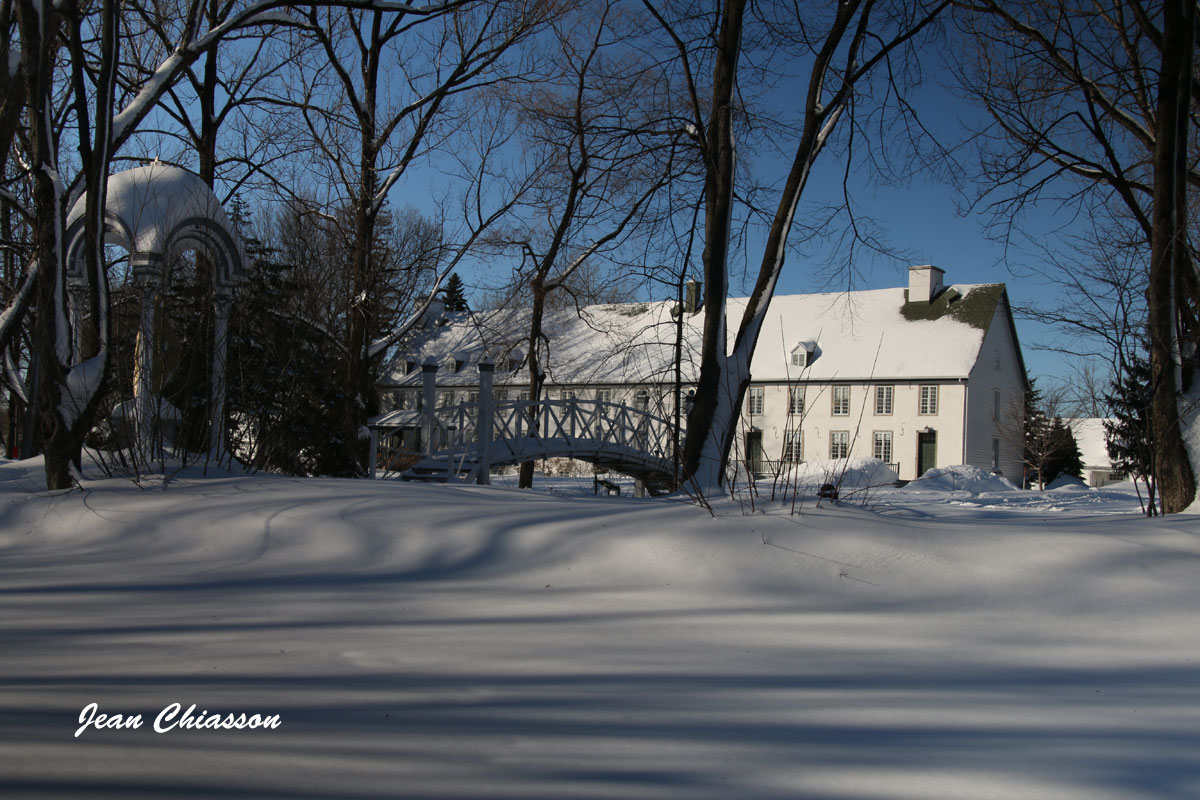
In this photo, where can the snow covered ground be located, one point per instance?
(469, 642)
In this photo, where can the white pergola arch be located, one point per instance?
(156, 213)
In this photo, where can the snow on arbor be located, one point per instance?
(157, 213)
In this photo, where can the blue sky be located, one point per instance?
(921, 222)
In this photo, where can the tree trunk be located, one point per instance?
(536, 377)
(38, 41)
(1176, 479)
(700, 447)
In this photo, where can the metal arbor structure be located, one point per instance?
(468, 439)
(157, 213)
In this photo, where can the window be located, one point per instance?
(841, 401)
(500, 395)
(793, 447)
(642, 400)
(756, 400)
(796, 400)
(839, 444)
(567, 394)
(996, 406)
(883, 400)
(802, 354)
(472, 397)
(995, 455)
(447, 399)
(883, 446)
(929, 400)
(604, 395)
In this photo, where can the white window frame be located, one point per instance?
(881, 448)
(793, 446)
(445, 398)
(756, 400)
(840, 401)
(884, 398)
(928, 401)
(604, 395)
(641, 399)
(796, 400)
(839, 440)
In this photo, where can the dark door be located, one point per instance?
(754, 453)
(926, 451)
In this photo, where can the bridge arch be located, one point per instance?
(465, 441)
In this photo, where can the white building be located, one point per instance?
(924, 376)
(1093, 451)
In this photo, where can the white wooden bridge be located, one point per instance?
(465, 441)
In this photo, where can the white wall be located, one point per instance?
(997, 370)
(904, 422)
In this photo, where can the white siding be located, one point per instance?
(997, 370)
(904, 422)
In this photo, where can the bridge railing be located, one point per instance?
(594, 421)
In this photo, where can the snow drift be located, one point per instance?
(479, 642)
(961, 478)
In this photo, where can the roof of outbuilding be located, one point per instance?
(862, 335)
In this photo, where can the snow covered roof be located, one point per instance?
(864, 335)
(163, 210)
(1089, 435)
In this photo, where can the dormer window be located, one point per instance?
(803, 354)
(515, 357)
(410, 366)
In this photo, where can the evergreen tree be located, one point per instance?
(282, 397)
(1063, 456)
(456, 300)
(1049, 448)
(1128, 432)
(1035, 434)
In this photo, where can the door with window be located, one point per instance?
(926, 451)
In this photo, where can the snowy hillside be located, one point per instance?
(471, 642)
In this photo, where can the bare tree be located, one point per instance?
(600, 148)
(844, 48)
(377, 93)
(1093, 107)
(69, 67)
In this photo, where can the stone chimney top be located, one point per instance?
(691, 298)
(924, 282)
(434, 313)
